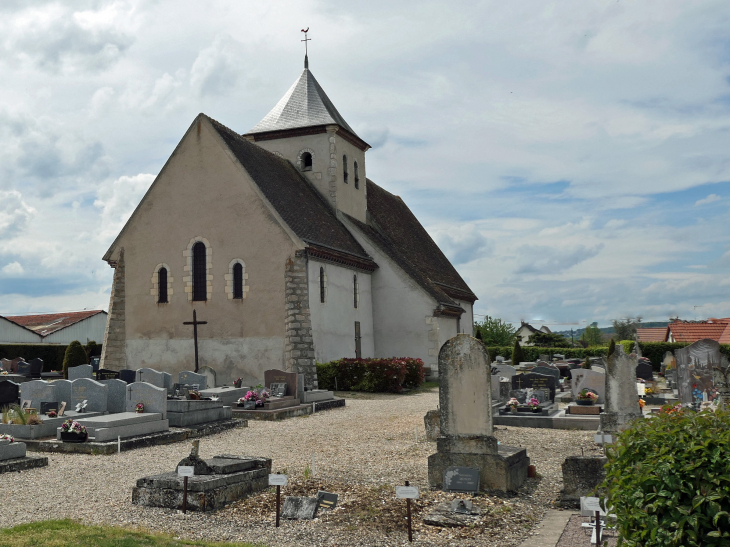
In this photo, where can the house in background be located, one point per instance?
(526, 330)
(655, 334)
(691, 331)
(53, 328)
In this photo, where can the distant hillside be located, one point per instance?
(609, 330)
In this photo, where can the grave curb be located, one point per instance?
(21, 464)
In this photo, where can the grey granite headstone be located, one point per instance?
(9, 393)
(63, 391)
(38, 391)
(622, 401)
(154, 398)
(81, 371)
(495, 387)
(299, 508)
(210, 375)
(117, 395)
(535, 381)
(188, 377)
(151, 376)
(553, 371)
(95, 393)
(505, 371)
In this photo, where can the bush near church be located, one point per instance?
(373, 375)
(668, 480)
(75, 356)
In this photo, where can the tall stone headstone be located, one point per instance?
(9, 393)
(152, 397)
(695, 364)
(151, 376)
(192, 378)
(63, 392)
(94, 393)
(622, 401)
(117, 394)
(81, 371)
(210, 376)
(38, 391)
(590, 379)
(466, 436)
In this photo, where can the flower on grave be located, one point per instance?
(70, 426)
(586, 395)
(194, 394)
(139, 407)
(4, 372)
(533, 403)
(250, 396)
(6, 437)
(513, 403)
(648, 391)
(52, 414)
(642, 402)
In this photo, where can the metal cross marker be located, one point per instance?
(195, 324)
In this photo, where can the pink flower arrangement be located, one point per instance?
(70, 426)
(139, 407)
(586, 395)
(533, 403)
(52, 414)
(513, 403)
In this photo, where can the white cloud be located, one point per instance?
(14, 214)
(709, 199)
(13, 269)
(118, 200)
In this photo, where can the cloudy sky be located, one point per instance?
(572, 158)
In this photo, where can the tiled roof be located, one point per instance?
(691, 332)
(47, 323)
(304, 105)
(394, 229)
(292, 195)
(658, 334)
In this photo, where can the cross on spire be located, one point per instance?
(306, 57)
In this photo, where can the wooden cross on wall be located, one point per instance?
(195, 324)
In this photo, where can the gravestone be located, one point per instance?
(38, 391)
(151, 376)
(598, 368)
(5, 364)
(695, 365)
(499, 359)
(535, 381)
(541, 363)
(550, 371)
(14, 363)
(622, 402)
(644, 371)
(299, 508)
(23, 368)
(36, 367)
(81, 371)
(63, 391)
(116, 395)
(210, 375)
(95, 362)
(9, 393)
(505, 371)
(95, 393)
(596, 381)
(187, 377)
(152, 397)
(544, 357)
(128, 375)
(275, 376)
(669, 362)
(106, 374)
(432, 421)
(466, 434)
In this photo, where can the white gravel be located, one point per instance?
(369, 442)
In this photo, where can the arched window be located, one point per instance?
(162, 286)
(306, 161)
(322, 285)
(345, 174)
(357, 176)
(238, 280)
(356, 291)
(200, 285)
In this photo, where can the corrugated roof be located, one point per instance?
(295, 199)
(47, 323)
(657, 334)
(304, 105)
(691, 332)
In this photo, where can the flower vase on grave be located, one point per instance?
(237, 383)
(513, 409)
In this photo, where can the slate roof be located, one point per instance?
(47, 323)
(292, 195)
(656, 334)
(304, 105)
(395, 230)
(714, 329)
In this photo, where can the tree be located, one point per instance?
(548, 340)
(75, 356)
(611, 348)
(592, 335)
(517, 355)
(586, 364)
(495, 332)
(626, 328)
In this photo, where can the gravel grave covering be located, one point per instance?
(362, 452)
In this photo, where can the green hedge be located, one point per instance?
(373, 375)
(532, 353)
(52, 354)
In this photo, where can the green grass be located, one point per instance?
(68, 533)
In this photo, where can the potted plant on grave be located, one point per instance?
(51, 413)
(263, 396)
(238, 382)
(512, 404)
(73, 432)
(194, 395)
(533, 404)
(249, 400)
(587, 397)
(139, 408)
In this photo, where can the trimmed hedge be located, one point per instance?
(372, 375)
(52, 354)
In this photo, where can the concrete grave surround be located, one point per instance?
(622, 401)
(125, 424)
(94, 393)
(151, 376)
(154, 398)
(11, 451)
(210, 375)
(38, 391)
(81, 371)
(291, 380)
(117, 395)
(188, 377)
(466, 435)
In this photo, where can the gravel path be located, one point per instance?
(362, 451)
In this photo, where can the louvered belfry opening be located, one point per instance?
(237, 281)
(162, 286)
(200, 286)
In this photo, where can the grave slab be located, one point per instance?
(227, 395)
(299, 508)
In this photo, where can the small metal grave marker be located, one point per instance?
(185, 471)
(327, 499)
(278, 481)
(407, 492)
(461, 479)
(600, 438)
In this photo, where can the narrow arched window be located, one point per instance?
(322, 285)
(200, 282)
(162, 286)
(355, 290)
(306, 161)
(238, 280)
(345, 174)
(357, 176)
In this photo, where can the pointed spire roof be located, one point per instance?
(304, 105)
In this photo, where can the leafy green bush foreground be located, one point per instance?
(668, 480)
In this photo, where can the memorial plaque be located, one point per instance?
(47, 407)
(62, 409)
(327, 499)
(407, 492)
(278, 390)
(535, 381)
(106, 374)
(277, 480)
(274, 376)
(461, 479)
(185, 471)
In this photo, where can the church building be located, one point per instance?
(283, 246)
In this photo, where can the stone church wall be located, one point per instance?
(299, 339)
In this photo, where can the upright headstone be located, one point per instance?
(595, 381)
(151, 376)
(622, 402)
(506, 371)
(106, 374)
(275, 376)
(23, 368)
(210, 376)
(152, 397)
(36, 367)
(548, 371)
(94, 393)
(644, 370)
(695, 365)
(669, 362)
(535, 381)
(117, 394)
(128, 375)
(37, 392)
(6, 364)
(81, 371)
(9, 393)
(466, 436)
(187, 377)
(63, 392)
(14, 363)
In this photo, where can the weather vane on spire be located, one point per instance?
(306, 58)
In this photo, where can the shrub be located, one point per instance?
(372, 375)
(75, 356)
(532, 353)
(517, 354)
(668, 480)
